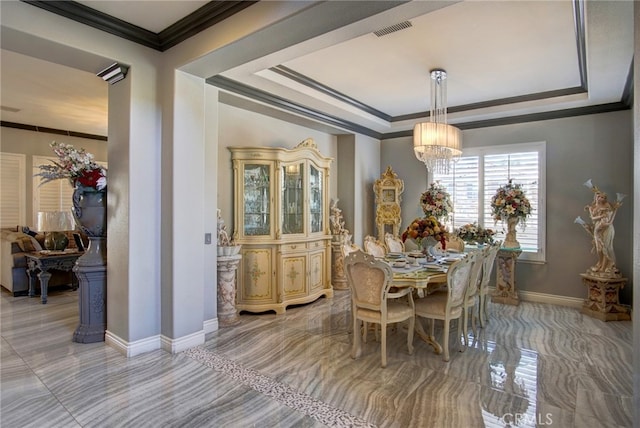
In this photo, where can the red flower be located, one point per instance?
(89, 178)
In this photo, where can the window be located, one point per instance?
(474, 179)
(12, 189)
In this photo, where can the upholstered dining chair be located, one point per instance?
(372, 302)
(348, 248)
(393, 243)
(453, 242)
(472, 295)
(448, 304)
(374, 247)
(491, 251)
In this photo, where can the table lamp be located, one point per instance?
(53, 224)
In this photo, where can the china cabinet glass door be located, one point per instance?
(257, 199)
(315, 199)
(292, 209)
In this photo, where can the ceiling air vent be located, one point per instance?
(392, 28)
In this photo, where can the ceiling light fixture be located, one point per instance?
(114, 73)
(436, 143)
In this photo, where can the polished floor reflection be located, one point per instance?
(533, 365)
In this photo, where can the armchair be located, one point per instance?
(372, 302)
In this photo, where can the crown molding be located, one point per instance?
(203, 18)
(35, 128)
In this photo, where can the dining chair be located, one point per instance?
(487, 269)
(348, 248)
(374, 247)
(393, 243)
(452, 243)
(471, 298)
(448, 304)
(371, 301)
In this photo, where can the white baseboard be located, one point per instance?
(552, 299)
(209, 326)
(182, 343)
(131, 349)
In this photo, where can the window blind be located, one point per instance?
(12, 189)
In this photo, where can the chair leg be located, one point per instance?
(412, 325)
(473, 320)
(356, 349)
(445, 339)
(465, 324)
(383, 344)
(365, 331)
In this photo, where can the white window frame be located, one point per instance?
(528, 254)
(13, 188)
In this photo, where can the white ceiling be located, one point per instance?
(491, 51)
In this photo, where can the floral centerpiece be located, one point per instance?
(436, 202)
(89, 180)
(474, 233)
(510, 204)
(75, 165)
(426, 227)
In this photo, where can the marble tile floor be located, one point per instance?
(542, 365)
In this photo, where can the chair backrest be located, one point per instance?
(457, 282)
(491, 252)
(477, 259)
(452, 243)
(369, 279)
(374, 247)
(348, 248)
(394, 244)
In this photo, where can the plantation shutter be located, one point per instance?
(12, 189)
(55, 195)
(474, 179)
(522, 168)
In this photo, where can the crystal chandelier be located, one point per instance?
(436, 143)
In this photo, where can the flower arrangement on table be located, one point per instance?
(436, 201)
(421, 228)
(474, 233)
(75, 165)
(510, 202)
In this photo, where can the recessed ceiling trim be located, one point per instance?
(524, 118)
(204, 17)
(10, 109)
(314, 84)
(36, 128)
(581, 40)
(284, 104)
(498, 102)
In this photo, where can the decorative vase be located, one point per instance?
(90, 210)
(510, 240)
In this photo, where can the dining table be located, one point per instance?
(424, 278)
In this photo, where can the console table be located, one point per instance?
(40, 262)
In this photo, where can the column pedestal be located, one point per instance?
(338, 275)
(227, 267)
(603, 298)
(91, 270)
(505, 291)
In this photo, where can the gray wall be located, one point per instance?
(599, 147)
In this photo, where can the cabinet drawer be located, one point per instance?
(288, 248)
(316, 245)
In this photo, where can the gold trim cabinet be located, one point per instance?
(281, 219)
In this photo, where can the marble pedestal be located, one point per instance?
(603, 298)
(338, 275)
(227, 268)
(505, 291)
(91, 270)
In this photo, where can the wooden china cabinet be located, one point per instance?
(281, 219)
